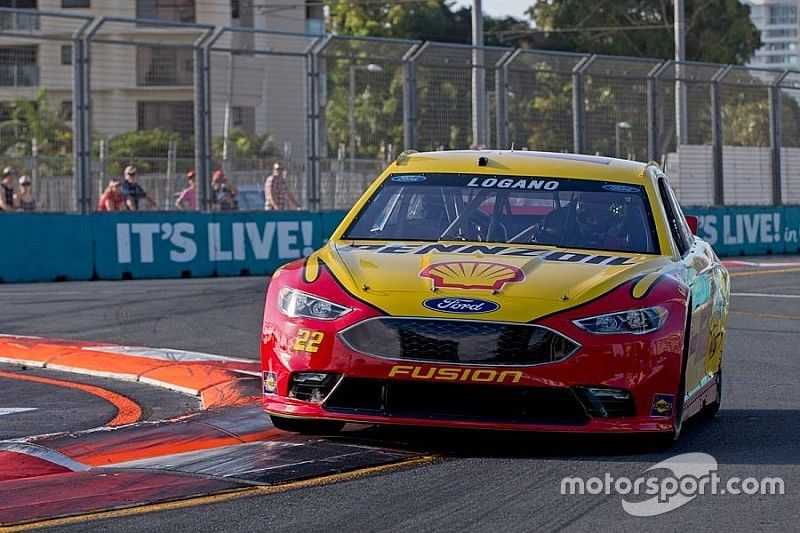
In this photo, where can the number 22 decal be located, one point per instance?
(307, 340)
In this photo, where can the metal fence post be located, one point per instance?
(653, 82)
(579, 105)
(81, 112)
(314, 145)
(501, 99)
(410, 99)
(202, 127)
(716, 134)
(776, 136)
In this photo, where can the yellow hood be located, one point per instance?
(526, 282)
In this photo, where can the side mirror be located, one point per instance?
(692, 221)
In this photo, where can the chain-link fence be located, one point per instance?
(82, 98)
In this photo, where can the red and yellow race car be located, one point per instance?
(504, 290)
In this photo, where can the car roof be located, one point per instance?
(523, 162)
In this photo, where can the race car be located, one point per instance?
(513, 290)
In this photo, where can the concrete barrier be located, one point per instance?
(50, 247)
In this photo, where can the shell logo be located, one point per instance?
(471, 275)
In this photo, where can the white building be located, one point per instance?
(142, 76)
(778, 22)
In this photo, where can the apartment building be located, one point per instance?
(142, 75)
(778, 22)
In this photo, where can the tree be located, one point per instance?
(717, 31)
(38, 120)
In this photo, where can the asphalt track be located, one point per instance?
(464, 480)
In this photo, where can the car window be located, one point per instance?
(678, 227)
(562, 212)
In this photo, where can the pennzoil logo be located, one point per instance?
(471, 275)
(445, 373)
(662, 405)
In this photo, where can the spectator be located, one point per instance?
(112, 199)
(132, 191)
(24, 200)
(187, 199)
(277, 196)
(7, 192)
(223, 193)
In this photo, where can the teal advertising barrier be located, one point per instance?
(168, 245)
(49, 247)
(45, 247)
(740, 230)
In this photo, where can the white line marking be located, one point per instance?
(760, 295)
(13, 410)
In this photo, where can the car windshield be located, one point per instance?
(562, 212)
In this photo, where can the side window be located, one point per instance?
(677, 224)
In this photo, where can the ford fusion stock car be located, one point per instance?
(502, 290)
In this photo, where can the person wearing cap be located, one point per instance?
(187, 199)
(24, 200)
(223, 193)
(7, 189)
(112, 199)
(277, 196)
(132, 191)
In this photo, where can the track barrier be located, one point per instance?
(114, 246)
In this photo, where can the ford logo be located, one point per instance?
(462, 306)
(408, 178)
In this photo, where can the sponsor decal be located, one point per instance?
(270, 383)
(471, 275)
(471, 375)
(513, 183)
(621, 188)
(461, 306)
(408, 178)
(496, 250)
(307, 340)
(662, 405)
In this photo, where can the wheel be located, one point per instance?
(306, 426)
(711, 410)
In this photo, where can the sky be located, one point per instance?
(501, 8)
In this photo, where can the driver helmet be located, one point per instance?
(600, 215)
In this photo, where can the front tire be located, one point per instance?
(306, 426)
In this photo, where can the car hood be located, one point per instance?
(520, 283)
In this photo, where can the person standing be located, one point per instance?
(7, 189)
(187, 199)
(223, 192)
(132, 191)
(277, 196)
(112, 199)
(24, 200)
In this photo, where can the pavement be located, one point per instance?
(109, 434)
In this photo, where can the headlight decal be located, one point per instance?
(634, 322)
(294, 304)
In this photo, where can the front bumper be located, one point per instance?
(549, 397)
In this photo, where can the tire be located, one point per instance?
(306, 426)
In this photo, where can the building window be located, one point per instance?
(66, 110)
(169, 116)
(234, 9)
(781, 33)
(169, 10)
(164, 66)
(66, 54)
(782, 14)
(76, 3)
(18, 21)
(18, 66)
(244, 118)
